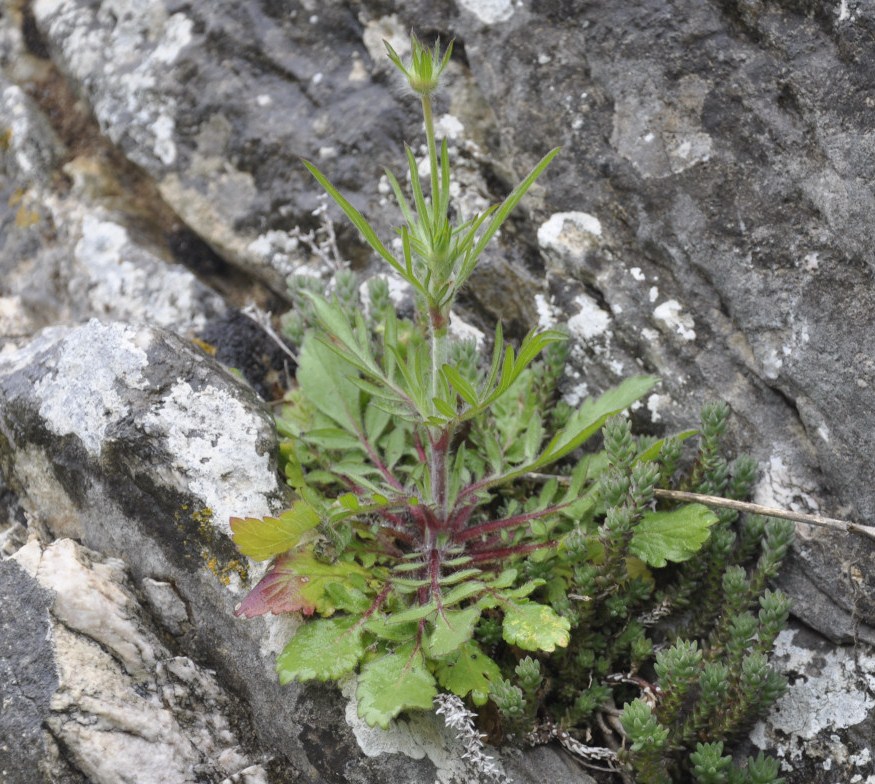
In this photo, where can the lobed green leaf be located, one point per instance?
(304, 657)
(392, 683)
(675, 536)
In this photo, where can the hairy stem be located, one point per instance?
(432, 148)
(439, 466)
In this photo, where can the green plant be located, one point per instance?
(436, 548)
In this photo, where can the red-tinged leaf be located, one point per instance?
(279, 591)
(297, 582)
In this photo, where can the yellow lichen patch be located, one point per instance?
(210, 540)
(224, 572)
(204, 519)
(208, 348)
(5, 139)
(25, 218)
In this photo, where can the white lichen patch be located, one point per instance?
(674, 320)
(214, 440)
(570, 234)
(121, 280)
(655, 403)
(771, 362)
(577, 394)
(164, 147)
(637, 274)
(590, 322)
(462, 330)
(79, 396)
(14, 317)
(449, 127)
(780, 488)
(389, 29)
(417, 736)
(489, 11)
(280, 251)
(832, 696)
(548, 313)
(131, 45)
(33, 145)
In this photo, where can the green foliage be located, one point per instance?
(459, 527)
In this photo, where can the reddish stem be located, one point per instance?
(378, 463)
(482, 556)
(507, 522)
(459, 519)
(376, 604)
(438, 465)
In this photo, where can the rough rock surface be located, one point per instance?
(710, 219)
(100, 685)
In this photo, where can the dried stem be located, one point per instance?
(766, 511)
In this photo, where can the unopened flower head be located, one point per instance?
(426, 65)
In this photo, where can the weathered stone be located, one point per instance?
(70, 256)
(27, 673)
(822, 727)
(99, 684)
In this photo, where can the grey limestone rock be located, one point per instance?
(67, 255)
(100, 685)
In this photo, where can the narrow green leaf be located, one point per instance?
(418, 197)
(461, 592)
(460, 384)
(444, 408)
(654, 450)
(460, 576)
(331, 438)
(411, 614)
(358, 220)
(399, 197)
(590, 417)
(511, 201)
(533, 344)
